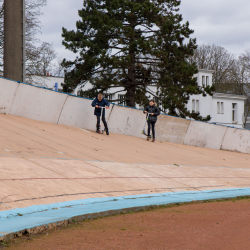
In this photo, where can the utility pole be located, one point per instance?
(14, 40)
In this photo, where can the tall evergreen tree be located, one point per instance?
(134, 44)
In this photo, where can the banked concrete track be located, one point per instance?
(53, 169)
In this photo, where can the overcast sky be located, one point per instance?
(221, 22)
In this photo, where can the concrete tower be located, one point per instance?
(14, 39)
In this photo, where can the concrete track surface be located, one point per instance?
(43, 163)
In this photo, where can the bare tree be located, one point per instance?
(39, 62)
(57, 68)
(33, 25)
(215, 58)
(244, 60)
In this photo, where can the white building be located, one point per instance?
(225, 109)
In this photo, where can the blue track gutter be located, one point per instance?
(18, 220)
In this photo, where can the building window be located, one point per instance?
(108, 97)
(207, 81)
(122, 102)
(234, 112)
(197, 109)
(203, 81)
(220, 107)
(195, 106)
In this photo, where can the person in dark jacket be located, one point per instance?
(98, 103)
(153, 112)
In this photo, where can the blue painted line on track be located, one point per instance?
(35, 216)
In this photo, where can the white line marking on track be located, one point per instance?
(84, 130)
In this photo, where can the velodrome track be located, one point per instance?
(45, 167)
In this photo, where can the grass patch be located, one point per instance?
(4, 244)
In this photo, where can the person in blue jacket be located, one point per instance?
(98, 103)
(153, 112)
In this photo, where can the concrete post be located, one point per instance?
(14, 40)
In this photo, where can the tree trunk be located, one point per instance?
(130, 95)
(131, 71)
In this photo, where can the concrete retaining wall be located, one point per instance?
(78, 112)
(171, 129)
(201, 134)
(7, 92)
(37, 103)
(237, 140)
(54, 107)
(127, 121)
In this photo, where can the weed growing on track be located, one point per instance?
(4, 244)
